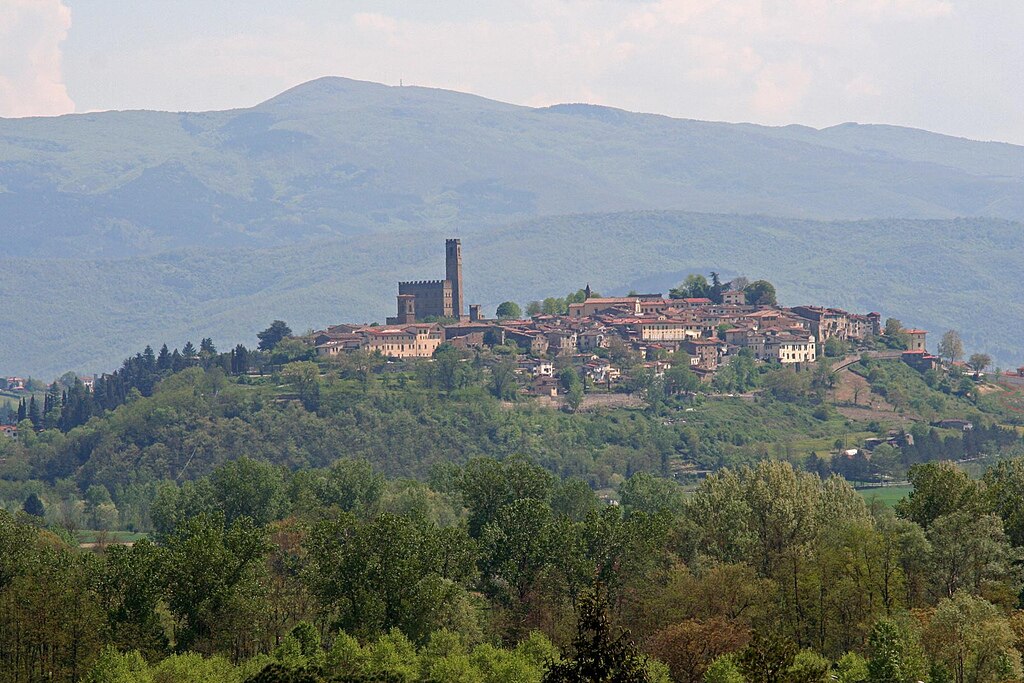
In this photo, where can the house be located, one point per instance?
(734, 297)
(338, 344)
(591, 340)
(411, 341)
(703, 353)
(825, 323)
(790, 348)
(561, 342)
(865, 326)
(915, 339)
(16, 384)
(536, 368)
(10, 431)
(532, 341)
(920, 360)
(596, 305)
(961, 425)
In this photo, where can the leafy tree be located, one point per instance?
(691, 647)
(951, 346)
(391, 572)
(251, 489)
(351, 485)
(304, 376)
(894, 334)
(760, 293)
(693, 287)
(534, 308)
(896, 655)
(504, 385)
(973, 641)
(767, 658)
(273, 335)
(210, 580)
(599, 653)
(978, 362)
(939, 489)
(509, 310)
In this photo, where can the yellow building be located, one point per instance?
(409, 341)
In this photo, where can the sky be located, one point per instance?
(950, 66)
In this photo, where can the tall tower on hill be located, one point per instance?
(453, 273)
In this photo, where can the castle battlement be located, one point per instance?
(418, 283)
(421, 299)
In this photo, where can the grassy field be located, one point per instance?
(88, 536)
(890, 495)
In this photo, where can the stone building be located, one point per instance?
(422, 299)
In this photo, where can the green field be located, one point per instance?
(890, 495)
(91, 536)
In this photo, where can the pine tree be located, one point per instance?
(149, 359)
(600, 655)
(33, 506)
(206, 347)
(22, 410)
(163, 361)
(188, 352)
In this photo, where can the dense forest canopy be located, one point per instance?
(355, 520)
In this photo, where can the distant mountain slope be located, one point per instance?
(62, 314)
(338, 158)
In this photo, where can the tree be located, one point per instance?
(951, 346)
(760, 293)
(210, 578)
(691, 646)
(767, 658)
(896, 655)
(509, 310)
(693, 287)
(978, 362)
(972, 641)
(206, 347)
(533, 308)
(599, 654)
(33, 505)
(894, 334)
(503, 380)
(272, 336)
(940, 488)
(304, 376)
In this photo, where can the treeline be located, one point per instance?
(921, 444)
(500, 571)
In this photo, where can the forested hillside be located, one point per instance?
(317, 200)
(86, 315)
(336, 157)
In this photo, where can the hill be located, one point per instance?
(62, 314)
(338, 158)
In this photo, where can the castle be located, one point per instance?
(420, 300)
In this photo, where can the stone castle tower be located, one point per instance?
(453, 273)
(421, 299)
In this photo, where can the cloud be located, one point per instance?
(31, 78)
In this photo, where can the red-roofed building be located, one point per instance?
(915, 339)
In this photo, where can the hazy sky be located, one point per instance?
(953, 66)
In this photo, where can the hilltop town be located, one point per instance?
(706, 325)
